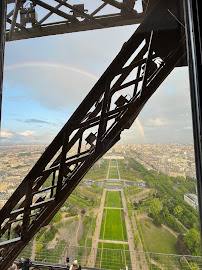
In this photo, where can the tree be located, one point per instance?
(147, 223)
(178, 211)
(38, 248)
(155, 206)
(181, 246)
(192, 239)
(194, 266)
(157, 221)
(56, 218)
(166, 211)
(136, 239)
(41, 239)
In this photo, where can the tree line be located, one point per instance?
(167, 205)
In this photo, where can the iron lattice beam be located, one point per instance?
(143, 63)
(71, 18)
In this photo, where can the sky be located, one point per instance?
(45, 79)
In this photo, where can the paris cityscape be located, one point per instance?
(172, 159)
(136, 199)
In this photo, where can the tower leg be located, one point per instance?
(3, 8)
(193, 18)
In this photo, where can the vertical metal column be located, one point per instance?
(193, 20)
(3, 9)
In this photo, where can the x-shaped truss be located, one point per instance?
(112, 105)
(58, 16)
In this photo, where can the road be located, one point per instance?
(96, 236)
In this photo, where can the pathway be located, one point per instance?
(77, 232)
(108, 207)
(182, 225)
(140, 248)
(107, 177)
(133, 255)
(118, 169)
(121, 179)
(113, 241)
(33, 250)
(171, 231)
(96, 236)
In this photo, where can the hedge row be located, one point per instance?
(141, 237)
(94, 220)
(86, 223)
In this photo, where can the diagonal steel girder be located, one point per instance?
(143, 63)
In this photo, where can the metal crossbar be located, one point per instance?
(62, 17)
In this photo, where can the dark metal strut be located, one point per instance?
(194, 46)
(3, 9)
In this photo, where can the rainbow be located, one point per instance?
(140, 126)
(63, 66)
(50, 65)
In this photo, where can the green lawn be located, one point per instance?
(113, 197)
(113, 225)
(113, 184)
(113, 173)
(113, 256)
(127, 174)
(158, 240)
(113, 163)
(97, 172)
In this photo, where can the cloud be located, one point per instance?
(6, 135)
(156, 122)
(28, 137)
(36, 121)
(27, 133)
(188, 128)
(52, 88)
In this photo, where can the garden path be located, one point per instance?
(113, 241)
(77, 232)
(107, 207)
(107, 177)
(118, 169)
(133, 255)
(32, 257)
(95, 238)
(142, 258)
